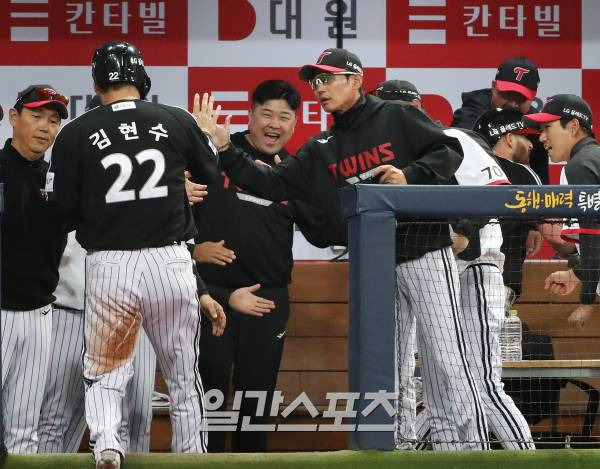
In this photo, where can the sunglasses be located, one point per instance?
(43, 94)
(325, 78)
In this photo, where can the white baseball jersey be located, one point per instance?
(479, 168)
(482, 302)
(71, 286)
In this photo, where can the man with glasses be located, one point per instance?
(393, 144)
(32, 244)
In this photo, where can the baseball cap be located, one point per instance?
(1, 113)
(333, 61)
(35, 96)
(563, 106)
(495, 123)
(395, 90)
(518, 74)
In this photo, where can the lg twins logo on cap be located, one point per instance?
(520, 71)
(322, 56)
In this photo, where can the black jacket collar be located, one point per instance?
(18, 158)
(357, 114)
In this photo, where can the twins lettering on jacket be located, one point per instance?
(356, 168)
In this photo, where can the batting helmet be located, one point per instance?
(120, 62)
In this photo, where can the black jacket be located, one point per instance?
(118, 174)
(259, 231)
(584, 168)
(33, 237)
(372, 133)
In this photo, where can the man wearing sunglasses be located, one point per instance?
(32, 244)
(390, 143)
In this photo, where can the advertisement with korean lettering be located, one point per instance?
(282, 33)
(482, 33)
(63, 32)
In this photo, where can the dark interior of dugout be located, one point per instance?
(556, 459)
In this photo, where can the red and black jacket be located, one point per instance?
(372, 133)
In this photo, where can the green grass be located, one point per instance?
(547, 459)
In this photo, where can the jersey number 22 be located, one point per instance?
(150, 190)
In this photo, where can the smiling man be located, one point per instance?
(244, 254)
(32, 244)
(566, 124)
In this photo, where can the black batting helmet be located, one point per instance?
(120, 62)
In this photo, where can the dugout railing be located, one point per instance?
(371, 211)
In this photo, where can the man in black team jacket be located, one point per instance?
(398, 145)
(566, 125)
(32, 244)
(244, 253)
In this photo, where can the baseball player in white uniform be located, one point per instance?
(62, 417)
(483, 293)
(444, 427)
(442, 346)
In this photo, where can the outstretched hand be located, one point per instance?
(245, 301)
(213, 253)
(207, 116)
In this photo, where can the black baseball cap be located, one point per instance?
(35, 96)
(518, 74)
(495, 123)
(394, 90)
(333, 61)
(563, 106)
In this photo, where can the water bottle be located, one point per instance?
(510, 337)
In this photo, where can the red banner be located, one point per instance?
(479, 33)
(64, 32)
